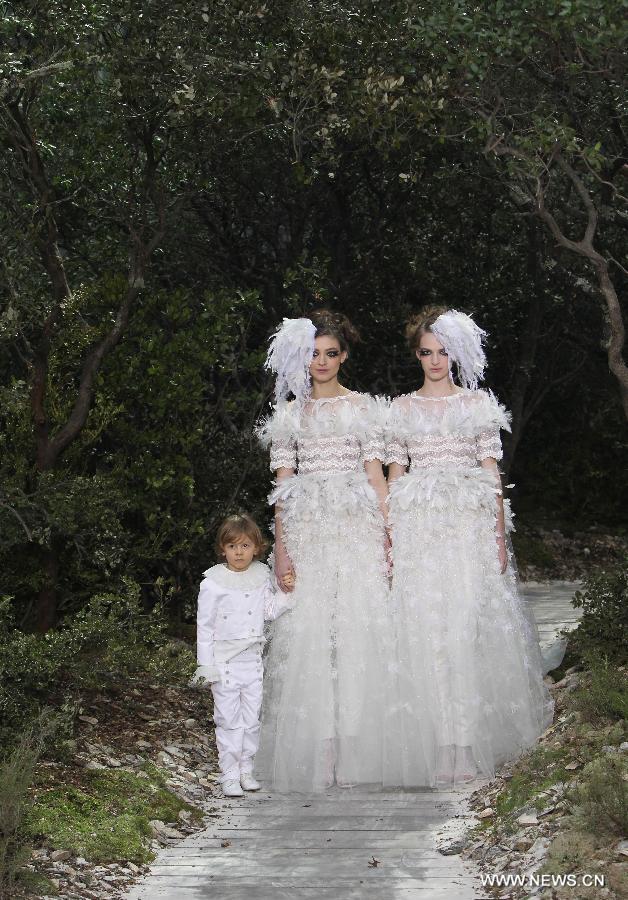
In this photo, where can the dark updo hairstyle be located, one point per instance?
(421, 323)
(335, 325)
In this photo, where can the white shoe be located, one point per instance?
(248, 782)
(232, 788)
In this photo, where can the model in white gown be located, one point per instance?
(470, 692)
(325, 687)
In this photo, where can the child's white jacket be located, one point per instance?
(232, 608)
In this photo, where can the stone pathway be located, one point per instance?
(345, 844)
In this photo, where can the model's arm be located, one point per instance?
(283, 563)
(377, 480)
(396, 447)
(500, 524)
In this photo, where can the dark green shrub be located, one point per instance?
(112, 637)
(603, 690)
(600, 797)
(604, 623)
(17, 769)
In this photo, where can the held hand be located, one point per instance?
(502, 554)
(284, 571)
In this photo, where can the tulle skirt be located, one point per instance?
(326, 672)
(468, 692)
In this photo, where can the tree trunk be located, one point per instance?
(46, 610)
(527, 352)
(617, 336)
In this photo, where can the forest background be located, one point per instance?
(176, 178)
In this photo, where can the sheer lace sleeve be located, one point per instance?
(396, 443)
(278, 433)
(374, 421)
(283, 454)
(492, 417)
(488, 443)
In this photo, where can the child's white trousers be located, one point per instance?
(237, 705)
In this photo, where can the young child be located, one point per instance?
(235, 598)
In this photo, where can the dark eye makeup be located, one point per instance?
(429, 353)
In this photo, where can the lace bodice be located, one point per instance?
(460, 430)
(332, 434)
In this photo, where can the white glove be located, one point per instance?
(204, 676)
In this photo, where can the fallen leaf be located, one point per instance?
(373, 863)
(225, 843)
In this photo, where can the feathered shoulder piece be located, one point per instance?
(355, 413)
(469, 413)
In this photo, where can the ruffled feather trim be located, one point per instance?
(355, 414)
(346, 492)
(470, 414)
(448, 490)
(255, 576)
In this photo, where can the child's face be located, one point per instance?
(239, 553)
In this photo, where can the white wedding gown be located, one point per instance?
(469, 691)
(325, 687)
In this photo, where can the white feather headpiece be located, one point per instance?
(462, 339)
(290, 353)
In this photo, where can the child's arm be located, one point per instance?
(207, 671)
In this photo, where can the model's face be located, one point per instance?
(433, 358)
(327, 359)
(239, 553)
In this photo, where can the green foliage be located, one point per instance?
(603, 691)
(17, 769)
(538, 770)
(601, 795)
(106, 818)
(109, 638)
(571, 851)
(603, 628)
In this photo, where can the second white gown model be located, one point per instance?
(325, 691)
(470, 691)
